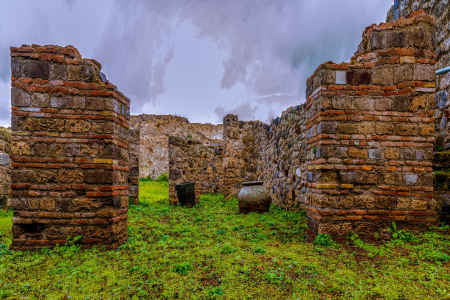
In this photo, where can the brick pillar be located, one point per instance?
(370, 133)
(69, 150)
(133, 179)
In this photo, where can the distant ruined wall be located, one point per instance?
(217, 165)
(155, 132)
(191, 160)
(5, 173)
(274, 154)
(69, 150)
(133, 177)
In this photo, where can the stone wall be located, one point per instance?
(243, 148)
(370, 133)
(69, 150)
(155, 132)
(5, 176)
(133, 178)
(191, 160)
(284, 154)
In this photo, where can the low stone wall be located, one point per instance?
(155, 132)
(69, 150)
(5, 176)
(191, 160)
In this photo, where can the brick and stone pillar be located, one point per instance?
(5, 178)
(370, 133)
(69, 150)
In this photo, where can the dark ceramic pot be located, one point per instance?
(253, 197)
(186, 193)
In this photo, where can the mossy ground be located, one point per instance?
(210, 252)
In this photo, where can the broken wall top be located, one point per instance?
(44, 73)
(403, 42)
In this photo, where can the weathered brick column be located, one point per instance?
(370, 133)
(5, 177)
(69, 150)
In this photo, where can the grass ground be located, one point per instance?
(211, 252)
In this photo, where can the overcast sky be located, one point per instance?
(196, 58)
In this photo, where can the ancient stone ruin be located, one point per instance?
(359, 154)
(370, 128)
(69, 150)
(369, 147)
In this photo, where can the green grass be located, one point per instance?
(212, 252)
(151, 191)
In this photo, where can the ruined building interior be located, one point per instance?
(368, 147)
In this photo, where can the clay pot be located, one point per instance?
(253, 197)
(186, 193)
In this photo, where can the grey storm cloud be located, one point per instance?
(266, 47)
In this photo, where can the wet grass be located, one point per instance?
(210, 252)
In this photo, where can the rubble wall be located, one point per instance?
(5, 176)
(69, 150)
(283, 159)
(155, 132)
(191, 160)
(133, 177)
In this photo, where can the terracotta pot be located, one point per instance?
(253, 197)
